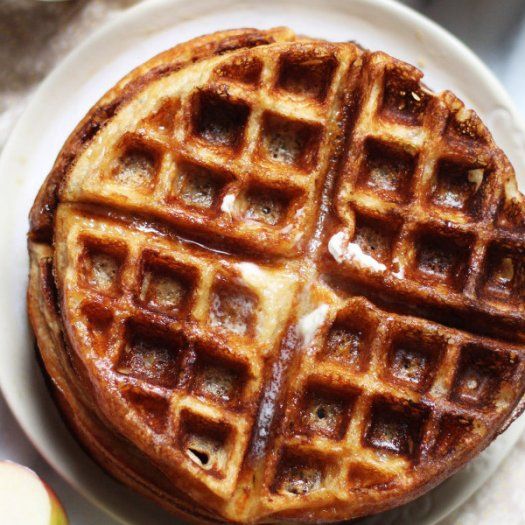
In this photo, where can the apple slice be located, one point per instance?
(26, 500)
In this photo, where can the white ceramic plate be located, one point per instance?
(93, 68)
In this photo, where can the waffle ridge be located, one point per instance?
(276, 264)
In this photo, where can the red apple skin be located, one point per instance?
(58, 514)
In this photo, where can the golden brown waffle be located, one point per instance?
(275, 278)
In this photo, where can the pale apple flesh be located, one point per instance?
(27, 500)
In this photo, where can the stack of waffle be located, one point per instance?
(278, 278)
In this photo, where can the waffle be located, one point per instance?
(277, 278)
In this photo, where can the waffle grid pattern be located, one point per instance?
(149, 306)
(420, 194)
(251, 151)
(375, 394)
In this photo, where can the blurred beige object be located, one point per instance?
(29, 50)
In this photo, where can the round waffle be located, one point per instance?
(276, 278)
